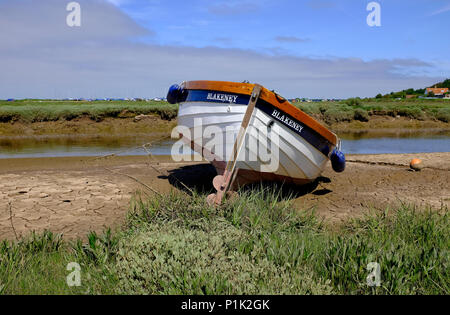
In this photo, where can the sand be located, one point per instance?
(75, 195)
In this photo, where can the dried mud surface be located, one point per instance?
(76, 195)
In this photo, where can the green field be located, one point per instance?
(257, 244)
(330, 112)
(362, 110)
(48, 110)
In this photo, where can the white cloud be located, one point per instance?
(291, 39)
(117, 2)
(441, 10)
(41, 57)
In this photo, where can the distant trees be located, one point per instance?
(419, 92)
(411, 91)
(353, 102)
(444, 84)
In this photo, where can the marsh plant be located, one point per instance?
(32, 111)
(258, 243)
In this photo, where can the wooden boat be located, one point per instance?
(258, 135)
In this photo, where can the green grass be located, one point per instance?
(330, 112)
(48, 110)
(37, 265)
(256, 244)
(357, 109)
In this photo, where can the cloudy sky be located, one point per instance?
(138, 48)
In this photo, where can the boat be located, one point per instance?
(250, 134)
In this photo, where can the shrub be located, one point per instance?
(203, 260)
(353, 102)
(332, 115)
(443, 114)
(361, 114)
(412, 112)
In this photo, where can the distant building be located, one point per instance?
(436, 91)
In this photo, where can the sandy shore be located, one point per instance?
(76, 195)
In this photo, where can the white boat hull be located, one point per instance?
(286, 156)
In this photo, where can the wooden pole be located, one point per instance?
(222, 183)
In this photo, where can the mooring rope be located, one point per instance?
(135, 179)
(126, 150)
(393, 164)
(376, 163)
(144, 146)
(150, 156)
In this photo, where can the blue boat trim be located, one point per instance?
(217, 97)
(311, 136)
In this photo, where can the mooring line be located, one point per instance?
(97, 158)
(376, 163)
(135, 179)
(125, 150)
(149, 157)
(393, 164)
(157, 170)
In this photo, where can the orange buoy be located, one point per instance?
(416, 164)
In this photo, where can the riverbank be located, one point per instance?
(41, 118)
(153, 125)
(84, 127)
(75, 195)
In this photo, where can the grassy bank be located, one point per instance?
(364, 110)
(330, 112)
(256, 244)
(31, 111)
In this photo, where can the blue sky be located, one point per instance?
(137, 48)
(313, 28)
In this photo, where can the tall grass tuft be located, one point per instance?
(257, 243)
(411, 247)
(180, 245)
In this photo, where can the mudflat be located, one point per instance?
(75, 195)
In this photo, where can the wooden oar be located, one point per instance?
(222, 183)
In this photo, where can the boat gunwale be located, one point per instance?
(268, 96)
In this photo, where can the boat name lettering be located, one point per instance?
(287, 121)
(222, 97)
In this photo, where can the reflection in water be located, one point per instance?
(412, 134)
(397, 145)
(381, 142)
(361, 143)
(82, 146)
